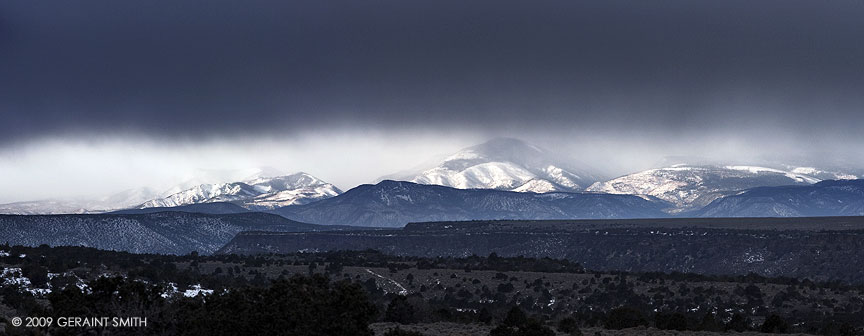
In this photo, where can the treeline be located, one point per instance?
(61, 259)
(314, 305)
(243, 288)
(516, 322)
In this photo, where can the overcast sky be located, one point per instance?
(113, 94)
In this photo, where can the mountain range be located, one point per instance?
(499, 179)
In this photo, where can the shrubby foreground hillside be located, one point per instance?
(366, 292)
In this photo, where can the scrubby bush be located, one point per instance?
(774, 324)
(400, 311)
(738, 323)
(401, 332)
(530, 327)
(670, 321)
(624, 317)
(569, 325)
(515, 318)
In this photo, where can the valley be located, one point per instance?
(815, 248)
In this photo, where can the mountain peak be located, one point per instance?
(503, 164)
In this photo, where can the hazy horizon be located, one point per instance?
(107, 96)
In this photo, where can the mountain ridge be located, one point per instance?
(161, 232)
(395, 203)
(825, 198)
(260, 193)
(691, 187)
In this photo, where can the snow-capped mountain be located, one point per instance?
(255, 194)
(216, 176)
(503, 164)
(690, 187)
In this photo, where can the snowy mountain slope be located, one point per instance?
(826, 198)
(502, 164)
(690, 187)
(205, 193)
(823, 174)
(255, 194)
(537, 186)
(396, 203)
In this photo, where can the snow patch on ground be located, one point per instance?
(401, 289)
(12, 276)
(196, 290)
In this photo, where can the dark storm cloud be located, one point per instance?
(207, 68)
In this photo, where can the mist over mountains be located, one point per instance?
(130, 97)
(503, 178)
(465, 168)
